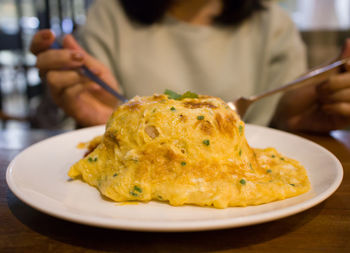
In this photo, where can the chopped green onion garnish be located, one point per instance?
(134, 194)
(183, 163)
(273, 156)
(90, 159)
(240, 152)
(189, 94)
(138, 189)
(292, 184)
(282, 158)
(269, 171)
(201, 117)
(172, 94)
(172, 108)
(240, 129)
(115, 174)
(242, 181)
(206, 142)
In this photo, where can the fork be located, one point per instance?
(89, 74)
(319, 75)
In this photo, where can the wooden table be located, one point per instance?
(324, 228)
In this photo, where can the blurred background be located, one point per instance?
(324, 25)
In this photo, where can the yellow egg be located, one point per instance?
(189, 151)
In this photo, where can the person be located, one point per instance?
(217, 47)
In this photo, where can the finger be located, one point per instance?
(346, 49)
(74, 100)
(72, 93)
(58, 59)
(342, 109)
(70, 43)
(41, 41)
(93, 87)
(61, 80)
(339, 96)
(335, 83)
(347, 66)
(42, 74)
(83, 108)
(69, 98)
(92, 64)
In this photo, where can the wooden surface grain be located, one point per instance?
(323, 228)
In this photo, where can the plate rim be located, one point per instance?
(176, 226)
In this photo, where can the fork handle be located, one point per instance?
(316, 75)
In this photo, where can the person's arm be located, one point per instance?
(319, 108)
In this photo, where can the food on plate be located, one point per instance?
(186, 149)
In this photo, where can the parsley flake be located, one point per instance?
(134, 194)
(90, 159)
(206, 142)
(189, 94)
(173, 95)
(138, 189)
(240, 129)
(242, 181)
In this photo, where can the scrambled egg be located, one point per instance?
(189, 151)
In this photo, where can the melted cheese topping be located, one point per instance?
(190, 151)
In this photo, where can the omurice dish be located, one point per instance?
(186, 151)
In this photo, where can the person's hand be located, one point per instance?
(318, 108)
(77, 95)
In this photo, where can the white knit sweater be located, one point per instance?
(263, 52)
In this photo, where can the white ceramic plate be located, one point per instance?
(38, 176)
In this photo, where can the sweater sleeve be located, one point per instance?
(284, 60)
